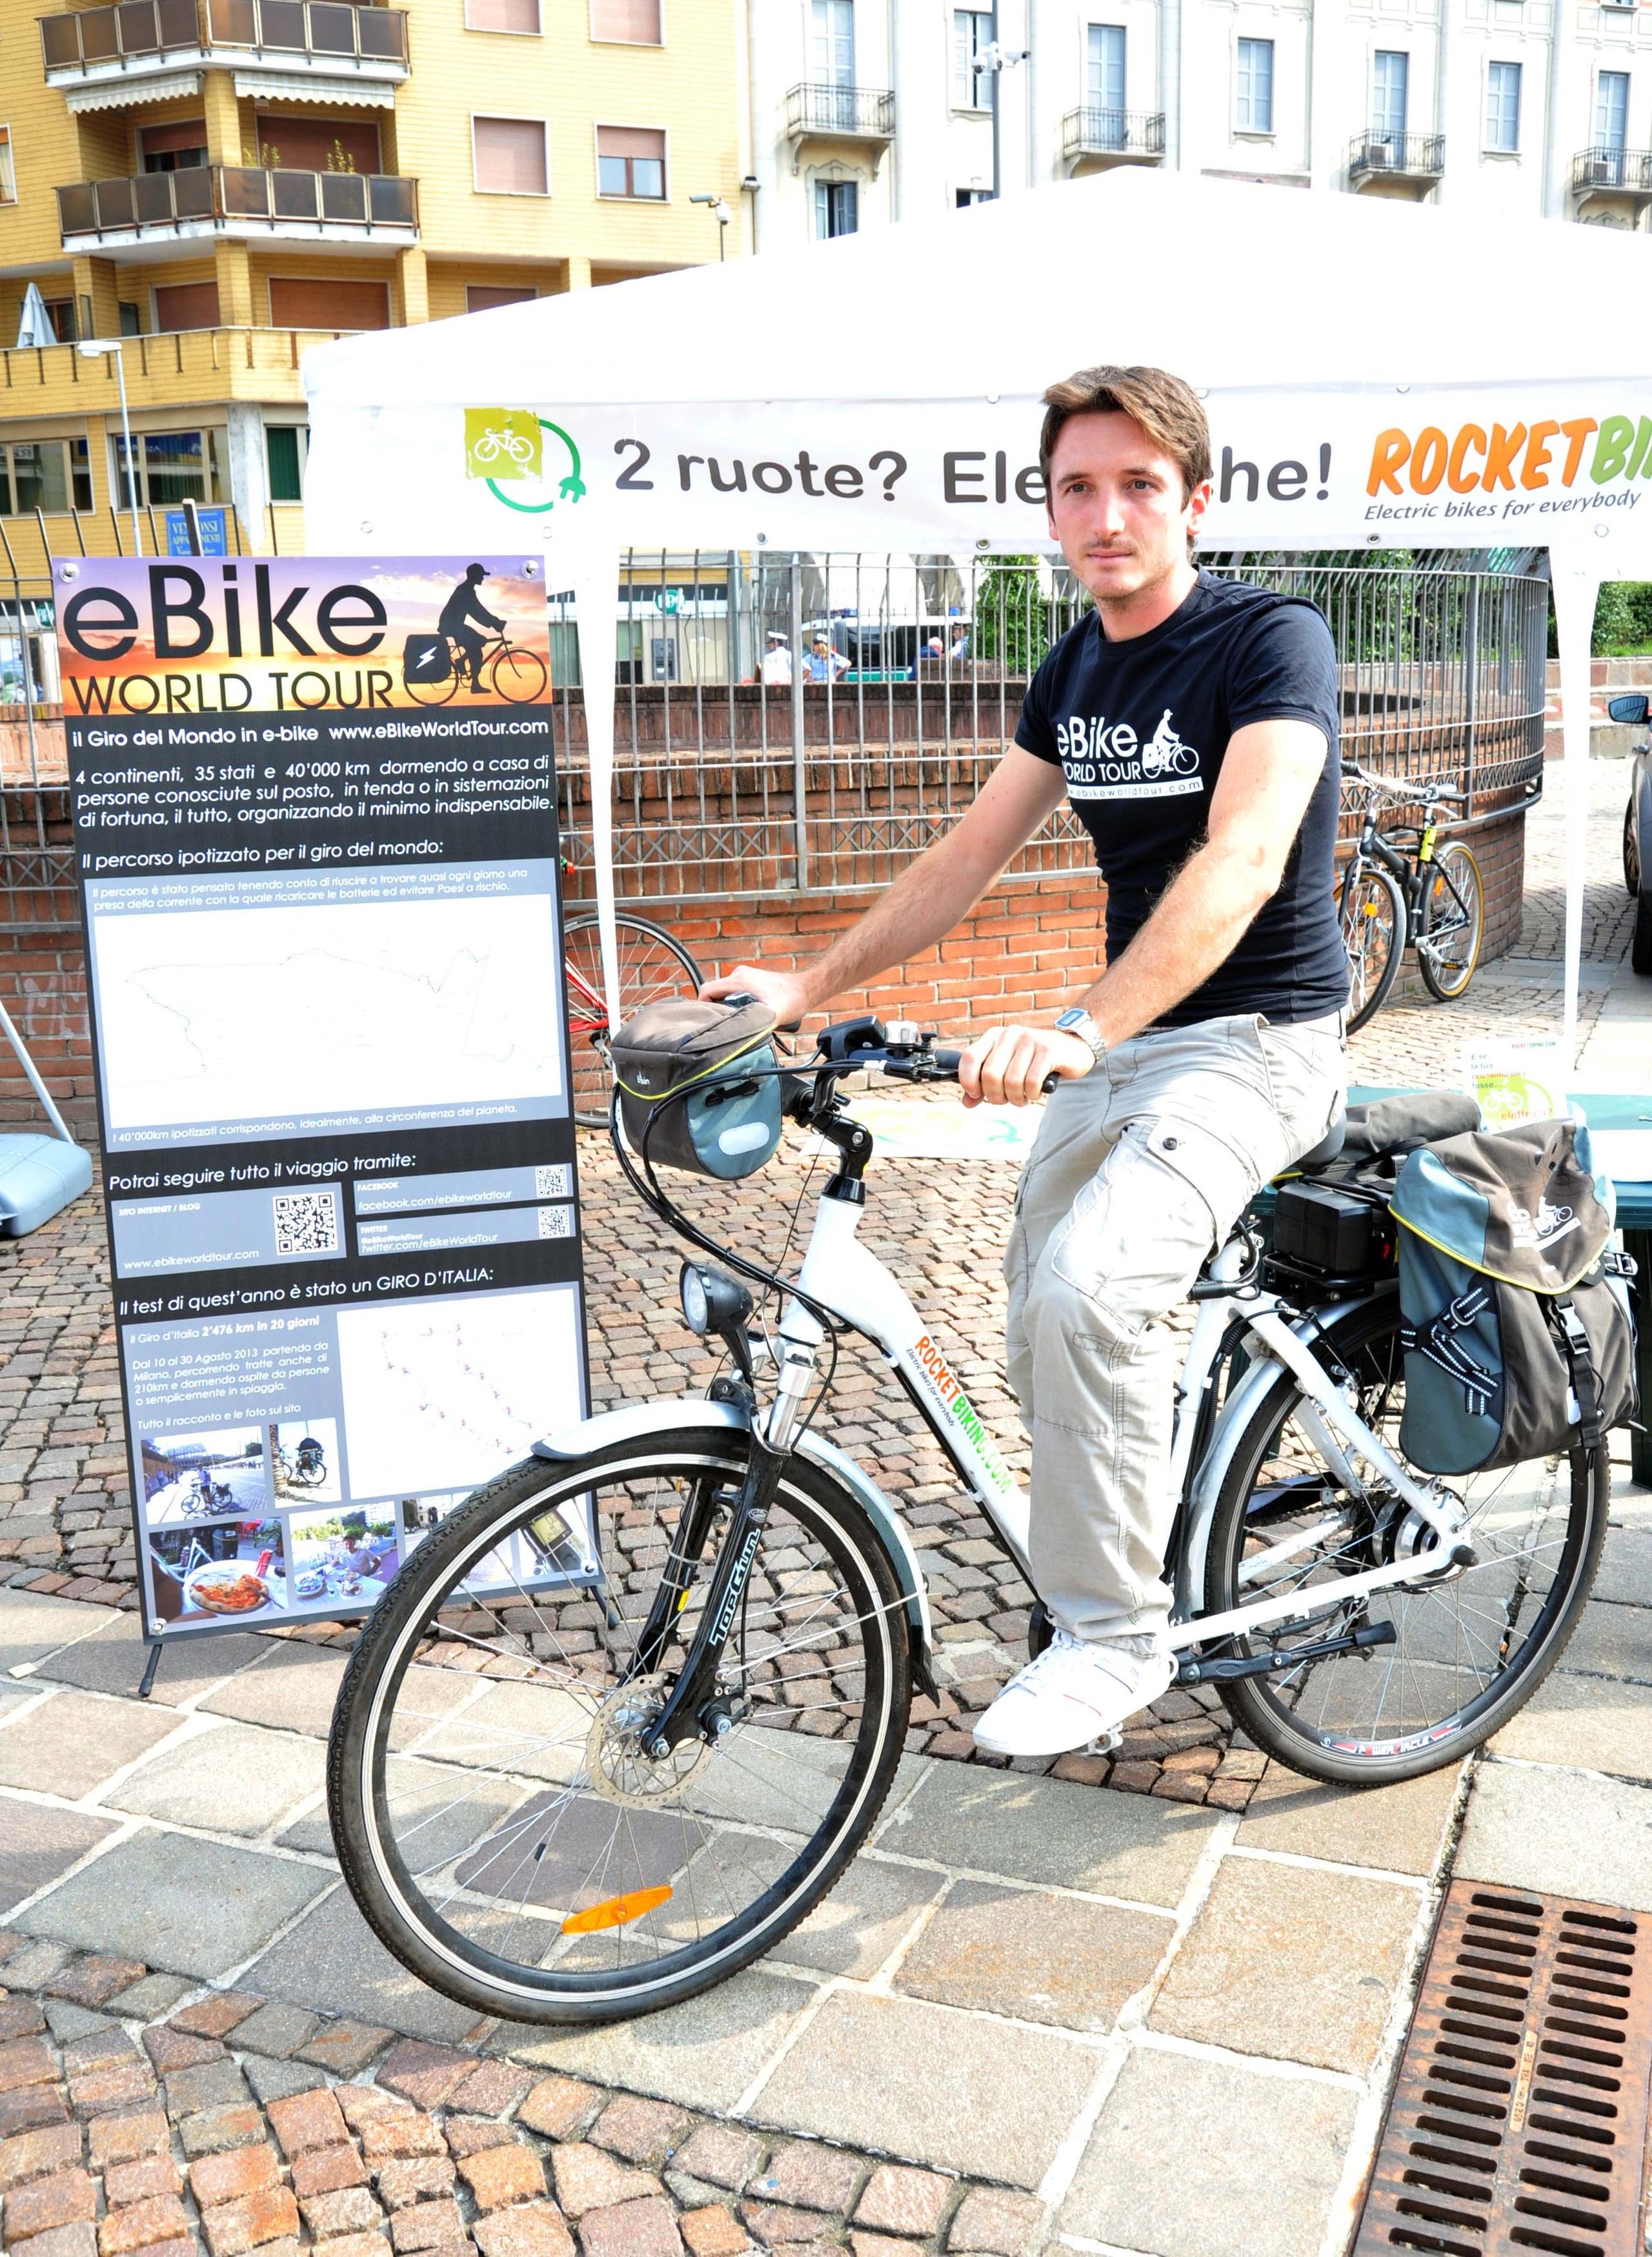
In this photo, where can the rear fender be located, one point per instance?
(638, 1420)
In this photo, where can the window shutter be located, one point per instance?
(637, 21)
(483, 297)
(297, 304)
(510, 159)
(187, 306)
(503, 15)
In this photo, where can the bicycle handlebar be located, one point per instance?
(1424, 791)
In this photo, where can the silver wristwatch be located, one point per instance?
(1078, 1022)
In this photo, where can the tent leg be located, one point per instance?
(30, 1068)
(597, 611)
(1577, 585)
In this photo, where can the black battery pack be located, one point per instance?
(1321, 1227)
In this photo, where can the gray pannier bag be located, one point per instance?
(689, 1097)
(1516, 1327)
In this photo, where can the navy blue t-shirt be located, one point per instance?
(1140, 728)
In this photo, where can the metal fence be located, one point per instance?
(806, 724)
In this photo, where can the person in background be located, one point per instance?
(824, 664)
(776, 672)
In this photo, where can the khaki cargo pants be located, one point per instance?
(1139, 1169)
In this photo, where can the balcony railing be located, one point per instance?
(1132, 136)
(849, 113)
(98, 42)
(1622, 171)
(1395, 156)
(237, 200)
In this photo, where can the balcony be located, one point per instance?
(1619, 175)
(1418, 158)
(162, 208)
(103, 56)
(1112, 137)
(818, 112)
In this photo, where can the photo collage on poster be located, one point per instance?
(323, 917)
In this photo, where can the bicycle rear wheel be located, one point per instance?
(652, 964)
(1453, 921)
(1370, 910)
(519, 675)
(1470, 1645)
(495, 1814)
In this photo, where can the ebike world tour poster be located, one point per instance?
(315, 832)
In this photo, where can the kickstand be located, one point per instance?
(146, 1683)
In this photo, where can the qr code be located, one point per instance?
(305, 1222)
(553, 1183)
(557, 1222)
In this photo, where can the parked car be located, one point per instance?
(1637, 828)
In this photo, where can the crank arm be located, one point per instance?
(1223, 1672)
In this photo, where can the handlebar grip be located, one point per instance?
(948, 1061)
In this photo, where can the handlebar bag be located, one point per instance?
(1516, 1330)
(689, 1096)
(425, 659)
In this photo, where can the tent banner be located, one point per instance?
(1527, 464)
(316, 836)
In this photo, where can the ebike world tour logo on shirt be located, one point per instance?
(1105, 759)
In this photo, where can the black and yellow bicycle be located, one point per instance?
(1430, 896)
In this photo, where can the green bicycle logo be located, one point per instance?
(507, 446)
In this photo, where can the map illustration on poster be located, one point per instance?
(316, 842)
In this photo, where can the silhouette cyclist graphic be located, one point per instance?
(463, 606)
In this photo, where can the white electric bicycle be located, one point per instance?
(578, 1791)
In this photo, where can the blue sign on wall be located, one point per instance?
(214, 534)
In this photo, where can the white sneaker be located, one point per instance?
(1078, 1690)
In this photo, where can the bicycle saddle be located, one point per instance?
(1327, 1148)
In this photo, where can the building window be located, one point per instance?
(971, 32)
(964, 197)
(171, 466)
(132, 319)
(1612, 112)
(836, 208)
(61, 313)
(1390, 90)
(631, 161)
(1254, 87)
(298, 302)
(512, 156)
(177, 148)
(632, 23)
(187, 306)
(483, 297)
(8, 169)
(286, 446)
(1105, 69)
(834, 42)
(519, 16)
(51, 474)
(1502, 107)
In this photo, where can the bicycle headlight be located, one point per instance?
(697, 1307)
(712, 1301)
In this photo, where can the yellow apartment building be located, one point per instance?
(222, 183)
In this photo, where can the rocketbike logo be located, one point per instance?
(959, 1408)
(505, 446)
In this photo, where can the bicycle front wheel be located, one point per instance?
(517, 675)
(1453, 921)
(652, 964)
(495, 1815)
(1370, 910)
(1469, 1646)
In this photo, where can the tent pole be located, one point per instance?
(27, 1062)
(1576, 580)
(597, 615)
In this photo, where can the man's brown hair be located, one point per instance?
(1167, 410)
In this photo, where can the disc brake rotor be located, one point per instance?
(615, 1763)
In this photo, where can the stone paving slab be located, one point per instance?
(66, 1745)
(114, 1661)
(185, 1906)
(38, 1845)
(859, 1924)
(32, 1627)
(1597, 1725)
(292, 1687)
(1625, 1574)
(1398, 1829)
(332, 1960)
(1035, 1956)
(1564, 1831)
(238, 1780)
(1291, 1961)
(704, 2054)
(1193, 2157)
(1613, 1641)
(955, 2091)
(1120, 1846)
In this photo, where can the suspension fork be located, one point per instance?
(692, 1709)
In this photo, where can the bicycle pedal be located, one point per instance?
(1105, 1744)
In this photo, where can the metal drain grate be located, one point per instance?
(1519, 2118)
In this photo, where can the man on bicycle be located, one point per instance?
(462, 607)
(1192, 722)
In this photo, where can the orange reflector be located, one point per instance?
(613, 1911)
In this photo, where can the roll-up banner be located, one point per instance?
(316, 842)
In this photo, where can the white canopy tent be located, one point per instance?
(1377, 375)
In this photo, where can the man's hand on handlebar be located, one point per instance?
(785, 994)
(1010, 1065)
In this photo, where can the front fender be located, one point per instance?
(636, 1420)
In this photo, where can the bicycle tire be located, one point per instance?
(653, 964)
(1454, 873)
(519, 675)
(1369, 905)
(1367, 1341)
(364, 1736)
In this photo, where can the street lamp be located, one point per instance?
(94, 349)
(720, 212)
(992, 61)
